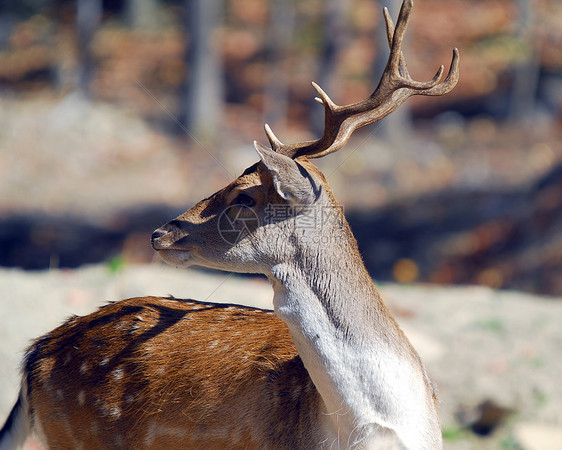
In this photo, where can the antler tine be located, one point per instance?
(389, 26)
(396, 66)
(275, 143)
(396, 58)
(450, 80)
(324, 98)
(395, 86)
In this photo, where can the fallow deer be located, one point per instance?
(329, 367)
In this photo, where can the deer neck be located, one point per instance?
(348, 341)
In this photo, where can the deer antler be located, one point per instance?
(395, 86)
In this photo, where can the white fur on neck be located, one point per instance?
(367, 387)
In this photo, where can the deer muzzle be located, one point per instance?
(161, 239)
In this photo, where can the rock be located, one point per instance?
(484, 418)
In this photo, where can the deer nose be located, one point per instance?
(159, 233)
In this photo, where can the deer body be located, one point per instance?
(167, 373)
(330, 369)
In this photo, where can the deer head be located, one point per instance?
(252, 224)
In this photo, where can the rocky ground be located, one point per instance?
(495, 355)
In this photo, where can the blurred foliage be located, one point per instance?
(453, 433)
(116, 264)
(40, 50)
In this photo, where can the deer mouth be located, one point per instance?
(178, 258)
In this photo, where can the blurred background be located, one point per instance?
(116, 115)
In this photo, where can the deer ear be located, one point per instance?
(292, 182)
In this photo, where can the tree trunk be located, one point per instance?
(88, 16)
(335, 36)
(526, 73)
(142, 14)
(202, 108)
(280, 32)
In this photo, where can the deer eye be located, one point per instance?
(244, 200)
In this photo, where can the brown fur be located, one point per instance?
(167, 373)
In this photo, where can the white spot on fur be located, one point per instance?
(213, 344)
(113, 412)
(104, 361)
(84, 368)
(81, 398)
(118, 373)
